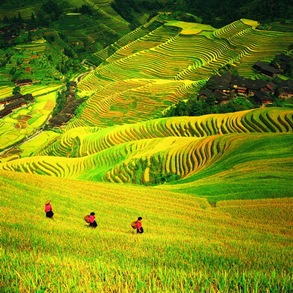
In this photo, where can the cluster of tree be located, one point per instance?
(191, 107)
(157, 178)
(17, 3)
(67, 65)
(14, 27)
(286, 67)
(211, 12)
(127, 8)
(52, 10)
(15, 73)
(6, 59)
(84, 9)
(61, 100)
(195, 107)
(229, 11)
(49, 11)
(13, 20)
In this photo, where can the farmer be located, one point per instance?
(48, 209)
(139, 228)
(92, 221)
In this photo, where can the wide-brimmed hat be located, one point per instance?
(47, 202)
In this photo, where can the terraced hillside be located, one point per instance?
(214, 191)
(183, 151)
(107, 23)
(91, 140)
(164, 65)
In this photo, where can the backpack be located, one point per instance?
(133, 225)
(87, 218)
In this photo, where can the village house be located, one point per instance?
(16, 104)
(282, 60)
(4, 112)
(204, 94)
(270, 88)
(266, 69)
(239, 85)
(285, 89)
(221, 98)
(28, 97)
(59, 120)
(10, 99)
(213, 80)
(70, 94)
(23, 82)
(263, 98)
(254, 85)
(223, 84)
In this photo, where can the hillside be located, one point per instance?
(141, 79)
(192, 153)
(187, 246)
(214, 191)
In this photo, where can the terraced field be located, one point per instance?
(5, 91)
(169, 149)
(25, 121)
(25, 12)
(174, 52)
(214, 191)
(91, 140)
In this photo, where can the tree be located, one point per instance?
(12, 71)
(68, 52)
(29, 36)
(211, 101)
(19, 18)
(16, 90)
(6, 20)
(15, 76)
(196, 109)
(33, 21)
(180, 109)
(3, 44)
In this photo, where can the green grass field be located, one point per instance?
(188, 246)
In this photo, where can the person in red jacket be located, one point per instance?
(139, 228)
(92, 221)
(48, 210)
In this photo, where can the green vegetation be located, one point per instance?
(188, 246)
(214, 191)
(163, 150)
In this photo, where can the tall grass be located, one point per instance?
(185, 248)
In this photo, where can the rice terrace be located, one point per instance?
(146, 146)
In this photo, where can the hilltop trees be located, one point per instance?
(84, 9)
(217, 15)
(126, 8)
(52, 9)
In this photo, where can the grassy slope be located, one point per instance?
(185, 247)
(258, 169)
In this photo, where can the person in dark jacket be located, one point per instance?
(49, 210)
